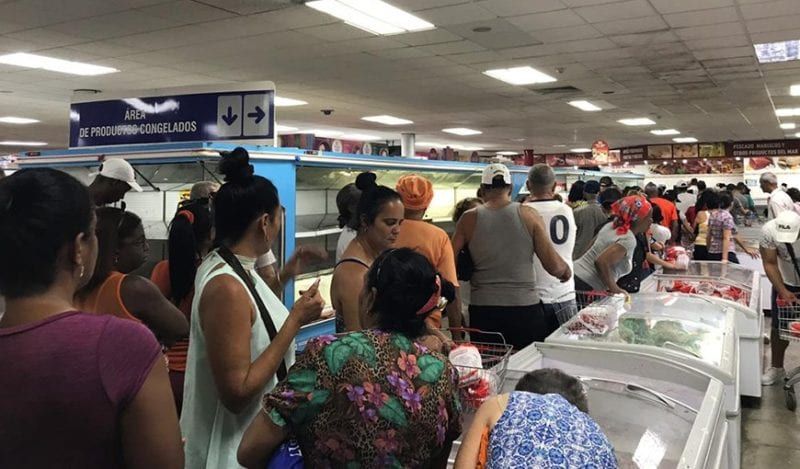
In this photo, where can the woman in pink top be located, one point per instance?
(79, 390)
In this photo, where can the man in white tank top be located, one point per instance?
(559, 223)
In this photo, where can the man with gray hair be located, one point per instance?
(552, 294)
(778, 201)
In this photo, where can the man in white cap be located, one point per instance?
(502, 237)
(778, 200)
(780, 247)
(115, 178)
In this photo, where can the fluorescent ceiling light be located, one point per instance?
(373, 16)
(463, 131)
(284, 128)
(520, 75)
(772, 52)
(285, 102)
(581, 150)
(360, 137)
(788, 126)
(665, 132)
(387, 120)
(684, 140)
(585, 106)
(794, 90)
(22, 59)
(508, 153)
(637, 121)
(787, 111)
(16, 143)
(17, 120)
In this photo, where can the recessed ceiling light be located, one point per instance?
(463, 131)
(508, 153)
(637, 121)
(788, 126)
(387, 120)
(22, 59)
(797, 134)
(585, 106)
(16, 143)
(560, 146)
(286, 102)
(783, 51)
(684, 140)
(17, 120)
(285, 128)
(664, 132)
(360, 137)
(520, 75)
(581, 150)
(517, 139)
(794, 90)
(787, 111)
(373, 16)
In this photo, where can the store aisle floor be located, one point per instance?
(771, 433)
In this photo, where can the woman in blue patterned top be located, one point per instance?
(543, 424)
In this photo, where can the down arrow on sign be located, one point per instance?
(258, 115)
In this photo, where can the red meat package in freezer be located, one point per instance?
(678, 256)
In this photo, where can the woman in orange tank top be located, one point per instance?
(189, 241)
(122, 248)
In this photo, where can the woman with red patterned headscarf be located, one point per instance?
(611, 253)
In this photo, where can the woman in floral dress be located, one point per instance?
(383, 397)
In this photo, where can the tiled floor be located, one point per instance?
(771, 433)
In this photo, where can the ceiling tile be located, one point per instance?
(770, 10)
(113, 25)
(781, 23)
(585, 31)
(711, 31)
(630, 26)
(718, 42)
(616, 11)
(553, 19)
(187, 12)
(457, 14)
(335, 32)
(475, 57)
(702, 17)
(516, 7)
(457, 47)
(422, 38)
(502, 35)
(247, 7)
(725, 52)
(676, 6)
(43, 37)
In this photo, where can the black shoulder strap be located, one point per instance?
(232, 261)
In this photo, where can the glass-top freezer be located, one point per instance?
(656, 415)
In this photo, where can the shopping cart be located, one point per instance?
(789, 329)
(479, 381)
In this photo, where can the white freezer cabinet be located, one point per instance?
(687, 330)
(733, 286)
(656, 414)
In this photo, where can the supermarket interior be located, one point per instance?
(400, 233)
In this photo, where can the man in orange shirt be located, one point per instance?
(427, 239)
(668, 209)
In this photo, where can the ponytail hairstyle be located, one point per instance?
(347, 202)
(406, 288)
(243, 198)
(113, 225)
(373, 198)
(189, 230)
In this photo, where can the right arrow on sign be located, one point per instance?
(258, 115)
(230, 118)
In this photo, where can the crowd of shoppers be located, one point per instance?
(382, 392)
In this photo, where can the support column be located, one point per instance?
(407, 142)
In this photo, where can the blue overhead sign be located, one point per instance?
(227, 115)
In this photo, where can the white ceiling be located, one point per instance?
(689, 64)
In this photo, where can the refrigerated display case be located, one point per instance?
(655, 413)
(736, 287)
(689, 330)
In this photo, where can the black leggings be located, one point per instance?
(718, 257)
(520, 325)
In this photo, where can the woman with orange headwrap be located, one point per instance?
(611, 253)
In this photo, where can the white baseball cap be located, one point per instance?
(121, 170)
(787, 226)
(493, 170)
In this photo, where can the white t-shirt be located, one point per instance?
(661, 234)
(348, 234)
(587, 271)
(560, 224)
(686, 200)
(785, 264)
(779, 201)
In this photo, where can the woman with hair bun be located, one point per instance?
(373, 398)
(380, 212)
(241, 335)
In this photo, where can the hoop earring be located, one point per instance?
(80, 274)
